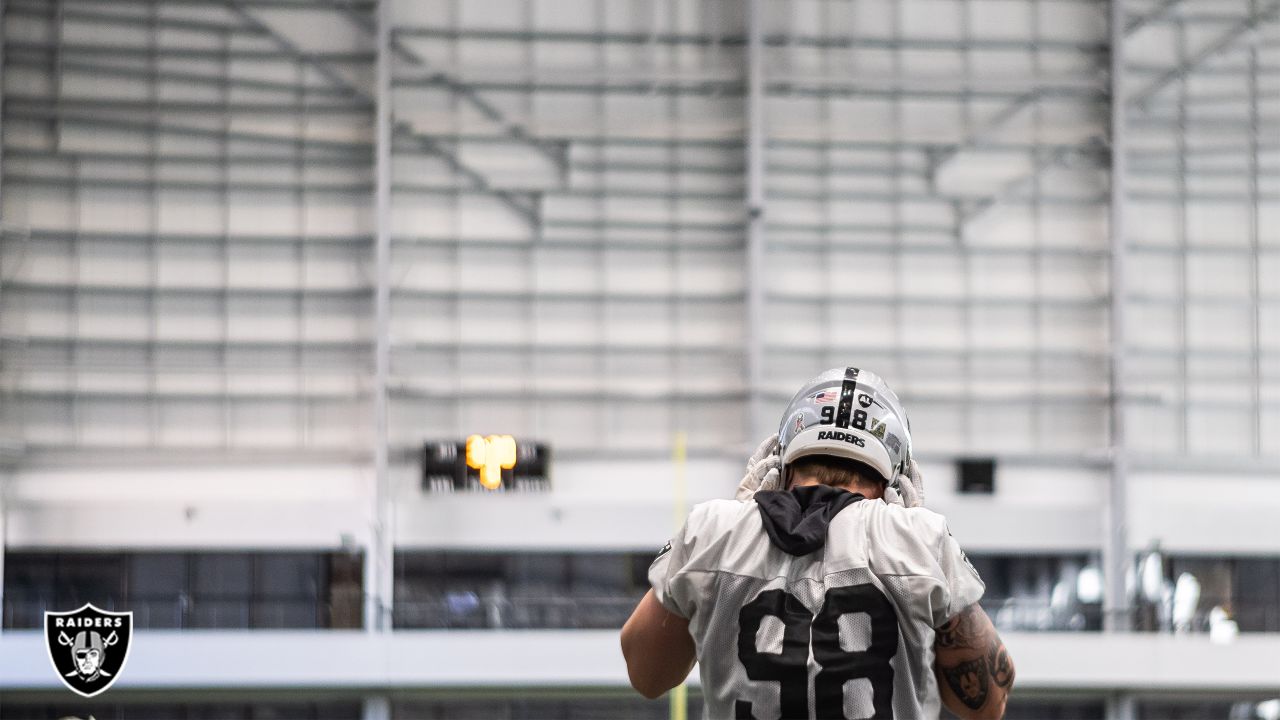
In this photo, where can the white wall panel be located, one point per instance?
(935, 185)
(137, 201)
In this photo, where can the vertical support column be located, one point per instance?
(4, 420)
(1115, 547)
(376, 707)
(4, 513)
(1121, 707)
(3, 220)
(755, 150)
(379, 553)
(1255, 225)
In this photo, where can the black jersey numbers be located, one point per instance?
(840, 665)
(828, 416)
(837, 666)
(789, 668)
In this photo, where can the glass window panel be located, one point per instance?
(218, 712)
(599, 573)
(157, 575)
(89, 577)
(1054, 709)
(156, 712)
(220, 614)
(287, 575)
(1256, 595)
(537, 571)
(345, 594)
(282, 613)
(158, 613)
(29, 588)
(219, 575)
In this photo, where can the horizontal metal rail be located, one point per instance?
(736, 40)
(27, 48)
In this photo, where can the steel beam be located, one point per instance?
(4, 426)
(618, 394)
(4, 505)
(36, 48)
(1159, 13)
(556, 152)
(724, 85)
(436, 243)
(821, 42)
(1226, 41)
(397, 127)
(717, 142)
(1115, 553)
(379, 557)
(527, 210)
(754, 274)
(967, 212)
(132, 396)
(35, 103)
(38, 10)
(1255, 236)
(98, 69)
(1002, 118)
(50, 113)
(326, 70)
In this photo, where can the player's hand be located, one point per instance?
(764, 470)
(911, 486)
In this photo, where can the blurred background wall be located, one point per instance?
(256, 253)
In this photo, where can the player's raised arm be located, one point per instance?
(657, 647)
(974, 670)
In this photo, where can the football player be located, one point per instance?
(825, 590)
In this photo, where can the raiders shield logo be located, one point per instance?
(88, 647)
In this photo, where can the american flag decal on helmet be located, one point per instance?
(825, 397)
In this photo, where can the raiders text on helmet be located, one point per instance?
(849, 413)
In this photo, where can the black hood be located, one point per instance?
(797, 519)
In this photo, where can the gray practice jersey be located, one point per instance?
(845, 631)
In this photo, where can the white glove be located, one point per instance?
(764, 470)
(911, 487)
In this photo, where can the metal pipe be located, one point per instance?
(378, 558)
(1224, 42)
(1255, 225)
(1115, 513)
(4, 484)
(888, 42)
(755, 199)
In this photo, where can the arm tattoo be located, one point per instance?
(1001, 669)
(972, 680)
(969, 681)
(960, 631)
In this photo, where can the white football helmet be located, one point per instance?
(848, 413)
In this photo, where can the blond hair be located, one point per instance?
(833, 471)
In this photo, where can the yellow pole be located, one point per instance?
(679, 456)
(679, 695)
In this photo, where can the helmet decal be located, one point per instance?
(850, 413)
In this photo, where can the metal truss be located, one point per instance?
(403, 129)
(1139, 98)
